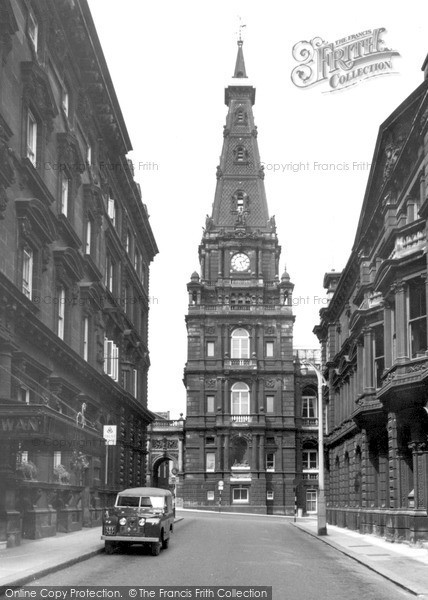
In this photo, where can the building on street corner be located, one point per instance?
(247, 443)
(75, 250)
(375, 345)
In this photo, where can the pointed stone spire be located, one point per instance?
(240, 63)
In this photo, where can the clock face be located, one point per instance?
(240, 262)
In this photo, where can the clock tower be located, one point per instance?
(239, 376)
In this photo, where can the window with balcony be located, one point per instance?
(240, 404)
(417, 318)
(309, 410)
(27, 272)
(240, 344)
(31, 138)
(210, 462)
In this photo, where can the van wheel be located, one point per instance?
(156, 548)
(165, 543)
(109, 547)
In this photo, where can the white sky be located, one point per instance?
(170, 62)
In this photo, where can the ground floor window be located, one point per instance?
(311, 501)
(240, 495)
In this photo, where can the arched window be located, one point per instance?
(240, 343)
(240, 399)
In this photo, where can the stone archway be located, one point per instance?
(163, 472)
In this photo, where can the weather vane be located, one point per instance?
(241, 27)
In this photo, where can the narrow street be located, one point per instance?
(223, 549)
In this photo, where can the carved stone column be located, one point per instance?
(254, 453)
(387, 334)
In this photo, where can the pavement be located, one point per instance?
(404, 565)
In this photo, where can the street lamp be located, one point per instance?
(321, 513)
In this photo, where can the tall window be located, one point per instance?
(56, 458)
(311, 501)
(111, 359)
(240, 399)
(135, 381)
(65, 101)
(33, 30)
(86, 338)
(31, 138)
(270, 461)
(310, 460)
(210, 348)
(88, 237)
(210, 404)
(270, 404)
(269, 349)
(61, 313)
(27, 272)
(64, 195)
(210, 462)
(109, 273)
(309, 407)
(111, 208)
(240, 344)
(378, 354)
(417, 318)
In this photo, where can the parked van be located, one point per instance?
(140, 516)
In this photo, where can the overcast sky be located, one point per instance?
(170, 62)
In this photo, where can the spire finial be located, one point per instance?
(240, 65)
(240, 28)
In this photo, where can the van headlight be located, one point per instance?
(122, 521)
(141, 522)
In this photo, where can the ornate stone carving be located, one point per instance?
(210, 383)
(8, 28)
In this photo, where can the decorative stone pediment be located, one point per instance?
(70, 157)
(68, 264)
(94, 204)
(38, 93)
(36, 225)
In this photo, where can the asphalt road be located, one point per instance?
(212, 549)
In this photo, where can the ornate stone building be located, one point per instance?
(375, 346)
(241, 425)
(75, 249)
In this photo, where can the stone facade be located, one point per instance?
(375, 347)
(75, 249)
(242, 429)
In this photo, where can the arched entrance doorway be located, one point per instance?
(162, 473)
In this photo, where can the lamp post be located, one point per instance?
(321, 512)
